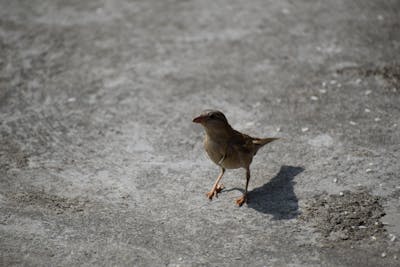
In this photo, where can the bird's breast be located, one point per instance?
(218, 150)
(214, 150)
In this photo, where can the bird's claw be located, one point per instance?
(240, 201)
(210, 195)
(215, 192)
(219, 188)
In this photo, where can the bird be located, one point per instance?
(228, 148)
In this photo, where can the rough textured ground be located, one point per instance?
(101, 165)
(347, 216)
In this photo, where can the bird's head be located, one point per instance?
(213, 121)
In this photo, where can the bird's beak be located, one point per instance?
(198, 119)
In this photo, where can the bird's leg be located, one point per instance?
(243, 198)
(216, 187)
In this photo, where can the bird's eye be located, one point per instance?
(212, 116)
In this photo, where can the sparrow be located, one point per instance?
(228, 148)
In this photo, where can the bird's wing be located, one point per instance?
(241, 142)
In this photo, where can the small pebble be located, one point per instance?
(367, 110)
(339, 85)
(358, 81)
(373, 237)
(314, 98)
(304, 129)
(359, 185)
(333, 82)
(322, 91)
(376, 223)
(250, 124)
(370, 164)
(368, 170)
(383, 254)
(392, 237)
(380, 17)
(341, 193)
(368, 92)
(71, 99)
(395, 257)
(323, 84)
(335, 180)
(278, 129)
(362, 227)
(352, 123)
(377, 119)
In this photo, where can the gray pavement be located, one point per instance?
(100, 164)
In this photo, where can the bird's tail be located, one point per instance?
(260, 142)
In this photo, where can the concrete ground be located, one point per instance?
(100, 164)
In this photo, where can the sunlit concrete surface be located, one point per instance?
(101, 165)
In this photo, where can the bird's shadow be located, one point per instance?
(277, 196)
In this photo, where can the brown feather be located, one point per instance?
(260, 142)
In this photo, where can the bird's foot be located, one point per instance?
(210, 194)
(240, 201)
(215, 191)
(219, 188)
